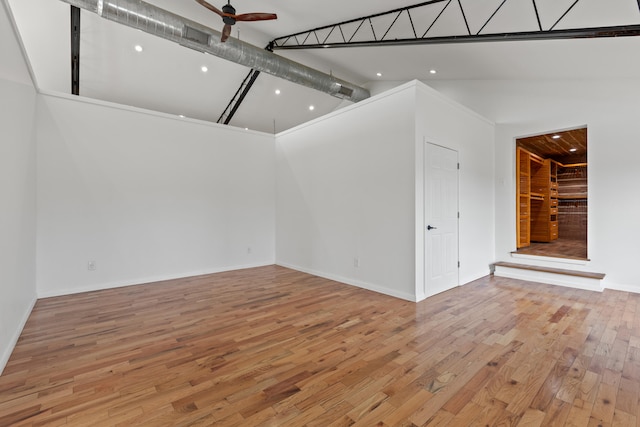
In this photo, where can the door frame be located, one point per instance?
(420, 217)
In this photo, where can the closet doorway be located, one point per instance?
(551, 194)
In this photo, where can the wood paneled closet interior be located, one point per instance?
(550, 199)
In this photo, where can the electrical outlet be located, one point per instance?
(91, 266)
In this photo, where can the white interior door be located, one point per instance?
(441, 219)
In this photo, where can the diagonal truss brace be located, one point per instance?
(240, 94)
(338, 35)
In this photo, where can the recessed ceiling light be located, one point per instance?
(379, 74)
(138, 48)
(573, 150)
(277, 91)
(432, 71)
(311, 108)
(204, 69)
(556, 137)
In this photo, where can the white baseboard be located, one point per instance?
(621, 287)
(144, 280)
(352, 282)
(4, 358)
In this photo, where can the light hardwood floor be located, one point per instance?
(275, 347)
(559, 248)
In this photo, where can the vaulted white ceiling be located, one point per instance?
(167, 77)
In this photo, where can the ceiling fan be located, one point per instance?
(229, 17)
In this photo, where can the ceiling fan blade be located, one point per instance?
(226, 32)
(211, 7)
(255, 16)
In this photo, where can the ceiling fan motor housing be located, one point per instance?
(227, 8)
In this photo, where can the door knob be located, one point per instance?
(431, 228)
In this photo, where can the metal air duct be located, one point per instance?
(159, 22)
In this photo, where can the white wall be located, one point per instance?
(446, 123)
(345, 190)
(17, 189)
(146, 196)
(609, 108)
(350, 185)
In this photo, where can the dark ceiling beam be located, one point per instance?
(343, 34)
(574, 33)
(75, 50)
(239, 96)
(277, 43)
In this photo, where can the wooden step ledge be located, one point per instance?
(586, 274)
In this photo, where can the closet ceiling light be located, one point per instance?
(204, 69)
(432, 71)
(379, 74)
(138, 48)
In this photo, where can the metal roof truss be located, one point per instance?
(446, 21)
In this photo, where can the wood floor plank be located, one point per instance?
(270, 346)
(531, 418)
(578, 417)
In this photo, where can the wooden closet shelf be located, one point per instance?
(536, 214)
(572, 197)
(536, 159)
(574, 165)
